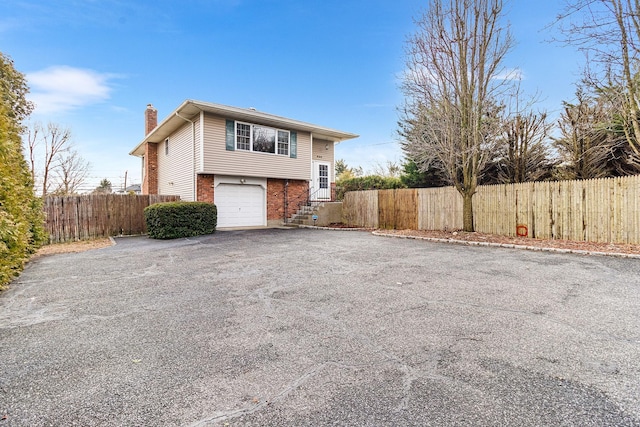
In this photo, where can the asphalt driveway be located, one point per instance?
(316, 328)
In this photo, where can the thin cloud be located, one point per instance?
(62, 88)
(510, 74)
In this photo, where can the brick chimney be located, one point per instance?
(150, 119)
(150, 168)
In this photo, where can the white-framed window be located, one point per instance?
(243, 136)
(262, 139)
(283, 142)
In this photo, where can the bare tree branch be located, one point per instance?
(56, 140)
(71, 173)
(608, 31)
(32, 144)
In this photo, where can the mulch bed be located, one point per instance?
(622, 248)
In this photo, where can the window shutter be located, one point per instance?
(231, 135)
(293, 145)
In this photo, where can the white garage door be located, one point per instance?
(240, 205)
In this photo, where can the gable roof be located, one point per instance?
(190, 108)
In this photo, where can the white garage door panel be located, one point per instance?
(240, 205)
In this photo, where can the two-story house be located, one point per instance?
(256, 167)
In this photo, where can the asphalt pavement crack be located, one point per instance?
(279, 397)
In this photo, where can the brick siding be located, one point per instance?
(205, 188)
(296, 192)
(150, 179)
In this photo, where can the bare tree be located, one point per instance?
(71, 172)
(32, 144)
(56, 141)
(592, 141)
(52, 158)
(583, 145)
(390, 169)
(525, 153)
(454, 77)
(609, 32)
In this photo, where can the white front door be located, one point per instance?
(321, 181)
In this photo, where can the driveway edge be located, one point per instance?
(509, 246)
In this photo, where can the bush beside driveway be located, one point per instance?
(311, 327)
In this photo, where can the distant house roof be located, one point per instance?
(190, 108)
(133, 187)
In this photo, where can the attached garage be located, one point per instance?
(240, 202)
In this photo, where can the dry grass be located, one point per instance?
(73, 247)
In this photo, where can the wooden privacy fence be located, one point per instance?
(597, 210)
(72, 218)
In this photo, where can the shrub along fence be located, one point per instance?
(597, 210)
(72, 218)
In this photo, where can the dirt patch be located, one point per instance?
(621, 248)
(72, 247)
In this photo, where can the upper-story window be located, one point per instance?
(243, 136)
(262, 139)
(166, 147)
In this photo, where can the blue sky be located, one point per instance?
(94, 65)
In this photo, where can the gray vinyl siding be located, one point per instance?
(218, 160)
(177, 166)
(320, 153)
(196, 120)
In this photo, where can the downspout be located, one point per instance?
(312, 170)
(193, 139)
(286, 201)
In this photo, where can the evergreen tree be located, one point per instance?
(104, 187)
(21, 217)
(413, 177)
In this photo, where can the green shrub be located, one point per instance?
(173, 220)
(370, 182)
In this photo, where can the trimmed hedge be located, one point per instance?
(173, 220)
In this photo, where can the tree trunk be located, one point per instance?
(467, 212)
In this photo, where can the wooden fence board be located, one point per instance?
(386, 209)
(361, 208)
(598, 210)
(72, 218)
(406, 207)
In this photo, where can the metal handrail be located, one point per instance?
(307, 199)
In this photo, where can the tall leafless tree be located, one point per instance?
(56, 140)
(454, 76)
(609, 32)
(71, 172)
(53, 161)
